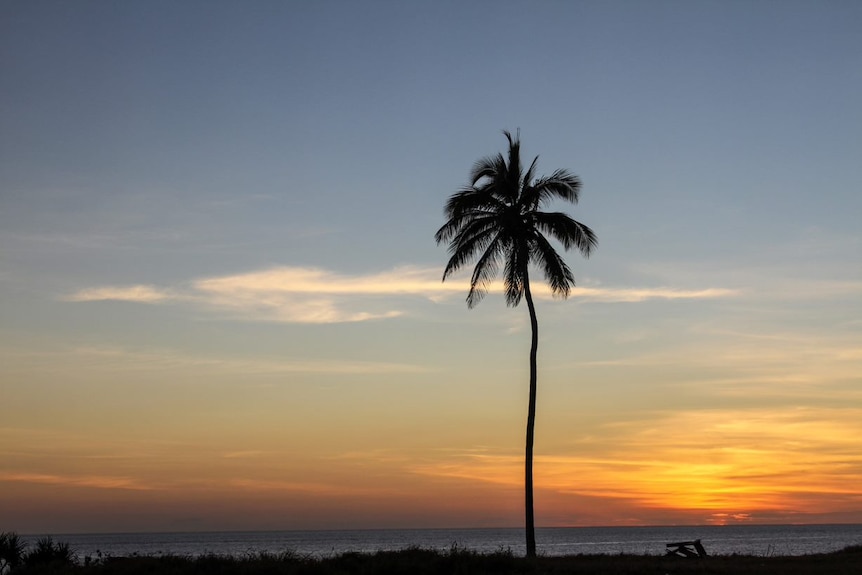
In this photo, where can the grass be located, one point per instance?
(456, 561)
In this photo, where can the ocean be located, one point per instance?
(760, 540)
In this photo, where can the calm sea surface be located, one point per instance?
(762, 540)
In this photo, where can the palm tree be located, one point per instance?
(498, 218)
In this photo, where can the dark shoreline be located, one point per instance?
(461, 561)
(759, 540)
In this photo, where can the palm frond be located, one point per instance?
(512, 175)
(561, 184)
(489, 167)
(484, 272)
(568, 232)
(529, 174)
(474, 238)
(515, 273)
(468, 199)
(472, 230)
(557, 273)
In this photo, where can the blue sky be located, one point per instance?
(217, 218)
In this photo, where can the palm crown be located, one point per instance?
(498, 216)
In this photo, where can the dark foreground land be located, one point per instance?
(455, 561)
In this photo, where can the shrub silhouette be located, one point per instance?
(11, 551)
(49, 552)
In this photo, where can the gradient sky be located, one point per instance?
(220, 298)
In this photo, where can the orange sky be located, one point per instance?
(707, 466)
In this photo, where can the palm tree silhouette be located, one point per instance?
(498, 218)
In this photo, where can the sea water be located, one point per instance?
(760, 540)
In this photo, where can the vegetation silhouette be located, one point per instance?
(51, 558)
(498, 219)
(47, 556)
(11, 551)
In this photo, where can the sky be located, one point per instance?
(221, 304)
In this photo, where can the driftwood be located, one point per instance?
(686, 549)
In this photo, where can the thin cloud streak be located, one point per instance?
(92, 481)
(135, 293)
(314, 295)
(635, 295)
(305, 488)
(123, 360)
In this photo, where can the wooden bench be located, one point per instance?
(686, 549)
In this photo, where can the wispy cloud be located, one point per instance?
(308, 488)
(315, 295)
(632, 295)
(782, 278)
(135, 293)
(92, 481)
(113, 358)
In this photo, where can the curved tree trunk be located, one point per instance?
(531, 422)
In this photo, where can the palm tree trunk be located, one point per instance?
(531, 422)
